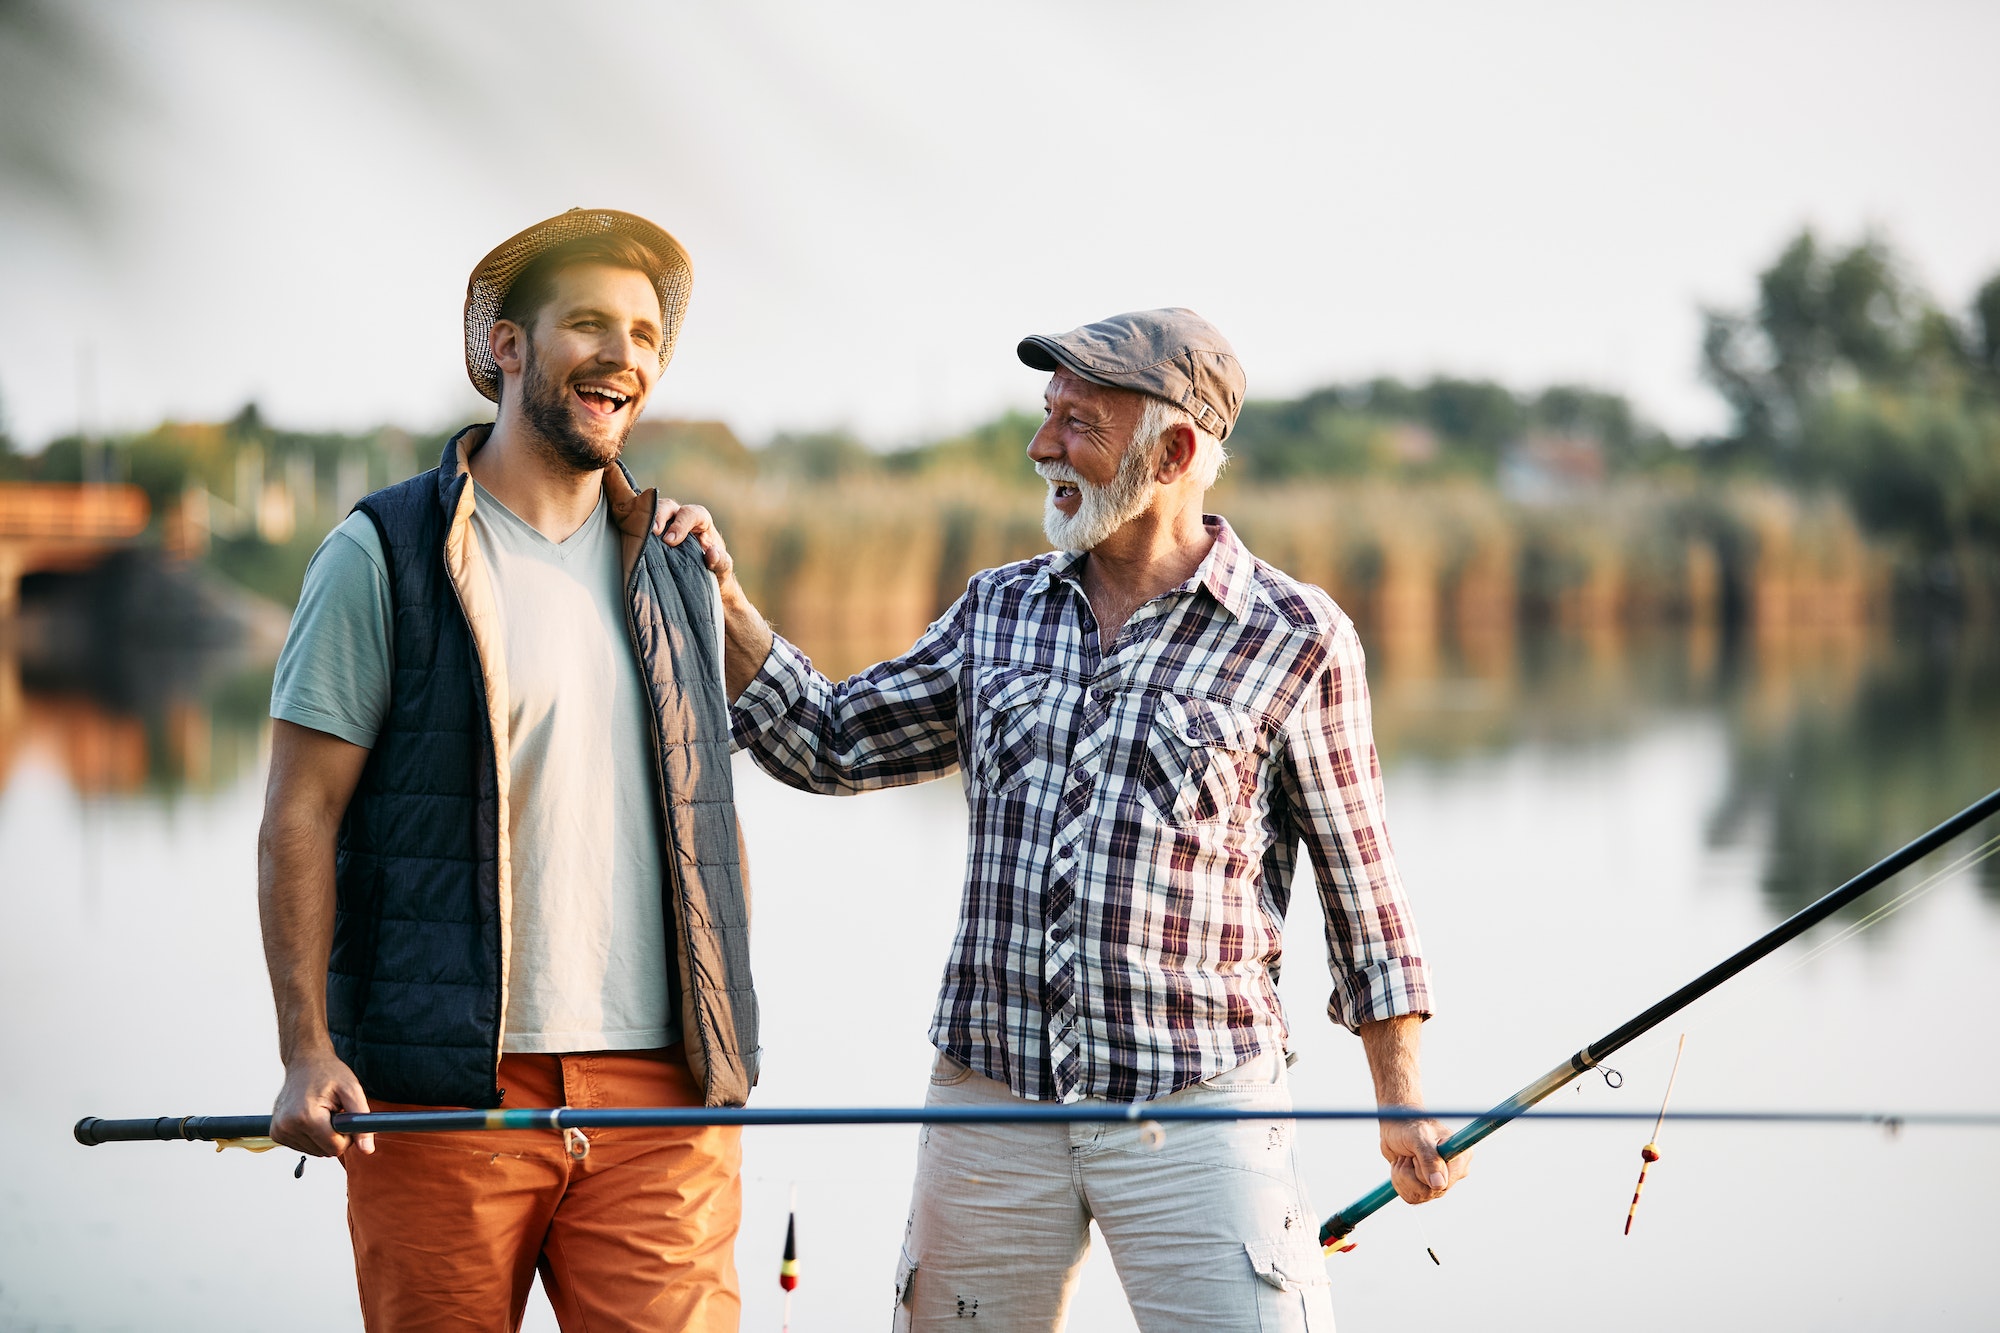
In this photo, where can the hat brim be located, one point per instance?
(1038, 351)
(493, 277)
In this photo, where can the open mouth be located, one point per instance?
(1065, 492)
(601, 400)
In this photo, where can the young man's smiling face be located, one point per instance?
(585, 366)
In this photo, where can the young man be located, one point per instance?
(499, 862)
(1149, 722)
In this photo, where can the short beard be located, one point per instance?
(545, 403)
(1101, 510)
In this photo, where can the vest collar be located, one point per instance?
(631, 508)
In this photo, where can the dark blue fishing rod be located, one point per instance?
(255, 1129)
(1333, 1234)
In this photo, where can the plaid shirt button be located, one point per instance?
(1168, 915)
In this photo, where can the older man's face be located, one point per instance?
(1084, 451)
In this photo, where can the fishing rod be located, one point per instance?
(1334, 1232)
(254, 1130)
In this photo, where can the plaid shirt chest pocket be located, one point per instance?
(1199, 759)
(1007, 727)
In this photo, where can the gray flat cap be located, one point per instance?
(1173, 354)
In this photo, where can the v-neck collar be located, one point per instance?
(563, 549)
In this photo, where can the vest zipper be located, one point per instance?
(492, 744)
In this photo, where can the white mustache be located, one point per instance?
(1053, 471)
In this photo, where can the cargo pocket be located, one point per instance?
(906, 1272)
(1198, 753)
(1009, 712)
(1295, 1295)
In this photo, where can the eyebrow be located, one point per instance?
(1082, 409)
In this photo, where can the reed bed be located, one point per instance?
(854, 569)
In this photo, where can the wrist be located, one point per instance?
(306, 1049)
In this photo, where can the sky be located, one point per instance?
(880, 199)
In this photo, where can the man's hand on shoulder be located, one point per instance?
(316, 1087)
(674, 523)
(748, 636)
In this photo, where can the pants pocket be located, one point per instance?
(947, 1072)
(1296, 1296)
(906, 1272)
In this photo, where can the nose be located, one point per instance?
(1045, 448)
(627, 352)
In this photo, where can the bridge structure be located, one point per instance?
(46, 526)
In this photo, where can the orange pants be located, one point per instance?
(449, 1229)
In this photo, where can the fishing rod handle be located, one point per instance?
(91, 1131)
(1365, 1207)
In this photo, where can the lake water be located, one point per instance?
(1583, 825)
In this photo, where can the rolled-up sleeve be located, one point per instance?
(1333, 789)
(894, 724)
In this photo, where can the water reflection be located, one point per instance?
(138, 678)
(1556, 796)
(1841, 746)
(1834, 767)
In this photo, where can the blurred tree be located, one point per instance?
(997, 449)
(1986, 329)
(1443, 426)
(819, 456)
(1847, 375)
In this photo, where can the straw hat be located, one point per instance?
(486, 290)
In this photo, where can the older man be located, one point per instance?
(1149, 722)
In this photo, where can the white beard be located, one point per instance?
(1101, 510)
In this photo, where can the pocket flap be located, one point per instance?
(1010, 687)
(1205, 722)
(1285, 1264)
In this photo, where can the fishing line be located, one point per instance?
(1336, 1231)
(1707, 1010)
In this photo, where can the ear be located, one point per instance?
(1177, 457)
(508, 342)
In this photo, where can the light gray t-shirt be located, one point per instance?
(589, 964)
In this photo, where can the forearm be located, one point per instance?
(1392, 1046)
(894, 724)
(746, 639)
(1409, 1146)
(295, 898)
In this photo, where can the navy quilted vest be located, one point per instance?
(414, 983)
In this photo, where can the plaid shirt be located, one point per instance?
(1135, 815)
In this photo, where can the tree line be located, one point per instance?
(1842, 376)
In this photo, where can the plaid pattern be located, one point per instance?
(1135, 815)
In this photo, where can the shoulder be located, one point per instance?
(1013, 579)
(359, 531)
(406, 507)
(1303, 607)
(351, 552)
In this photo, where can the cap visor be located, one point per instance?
(1038, 353)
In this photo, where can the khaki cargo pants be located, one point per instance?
(1209, 1227)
